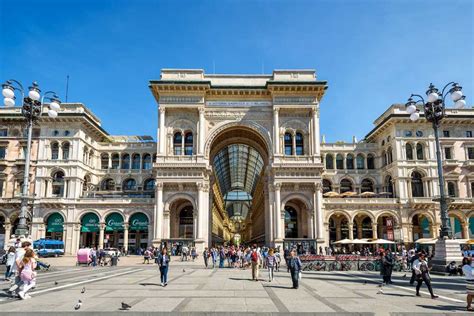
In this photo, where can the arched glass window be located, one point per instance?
(384, 158)
(350, 161)
(115, 161)
(54, 151)
(129, 185)
(66, 147)
(367, 228)
(186, 221)
(149, 185)
(108, 185)
(58, 184)
(329, 161)
(416, 185)
(291, 222)
(409, 151)
(346, 186)
(472, 189)
(451, 189)
(104, 161)
(339, 162)
(389, 185)
(146, 164)
(419, 152)
(370, 161)
(288, 144)
(367, 186)
(136, 161)
(91, 157)
(188, 144)
(299, 144)
(327, 186)
(360, 160)
(389, 155)
(125, 161)
(177, 143)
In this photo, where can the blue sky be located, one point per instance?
(372, 53)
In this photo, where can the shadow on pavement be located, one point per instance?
(146, 284)
(444, 307)
(279, 287)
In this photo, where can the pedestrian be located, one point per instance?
(27, 275)
(320, 250)
(413, 258)
(389, 262)
(467, 270)
(423, 275)
(146, 256)
(270, 264)
(163, 264)
(214, 255)
(286, 256)
(93, 255)
(294, 265)
(383, 268)
(184, 252)
(10, 262)
(19, 253)
(254, 257)
(278, 260)
(205, 255)
(221, 257)
(193, 253)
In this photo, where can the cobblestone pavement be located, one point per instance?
(213, 291)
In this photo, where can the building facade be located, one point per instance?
(239, 158)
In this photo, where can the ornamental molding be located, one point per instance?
(181, 99)
(238, 104)
(295, 100)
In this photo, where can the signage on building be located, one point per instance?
(114, 222)
(138, 221)
(55, 223)
(90, 223)
(389, 223)
(238, 103)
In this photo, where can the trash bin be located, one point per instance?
(114, 261)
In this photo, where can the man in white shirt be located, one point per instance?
(467, 270)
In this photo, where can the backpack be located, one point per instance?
(254, 256)
(26, 274)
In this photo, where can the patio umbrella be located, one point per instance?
(348, 194)
(368, 194)
(331, 194)
(426, 241)
(343, 242)
(385, 193)
(359, 241)
(381, 242)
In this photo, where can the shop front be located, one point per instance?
(114, 231)
(137, 232)
(55, 227)
(90, 226)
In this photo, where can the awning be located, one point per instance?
(380, 242)
(114, 222)
(138, 221)
(343, 242)
(90, 223)
(426, 241)
(55, 223)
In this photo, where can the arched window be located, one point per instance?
(367, 228)
(451, 189)
(409, 151)
(186, 222)
(350, 161)
(129, 185)
(416, 185)
(370, 161)
(188, 144)
(85, 184)
(108, 185)
(389, 155)
(472, 189)
(91, 157)
(149, 185)
(384, 158)
(367, 186)
(177, 143)
(346, 186)
(329, 161)
(360, 161)
(104, 161)
(115, 161)
(58, 184)
(288, 144)
(299, 144)
(125, 161)
(339, 162)
(54, 151)
(66, 147)
(419, 152)
(146, 164)
(327, 186)
(136, 161)
(291, 222)
(389, 185)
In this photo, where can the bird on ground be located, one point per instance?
(78, 305)
(56, 282)
(404, 276)
(83, 290)
(184, 270)
(365, 282)
(380, 291)
(126, 306)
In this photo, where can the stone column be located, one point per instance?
(162, 131)
(158, 218)
(293, 143)
(280, 235)
(269, 224)
(316, 149)
(276, 131)
(201, 131)
(101, 235)
(374, 231)
(109, 164)
(351, 230)
(125, 237)
(203, 216)
(318, 212)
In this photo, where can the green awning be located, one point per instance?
(55, 223)
(138, 221)
(90, 223)
(114, 222)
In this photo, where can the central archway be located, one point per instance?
(239, 155)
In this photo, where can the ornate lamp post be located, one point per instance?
(32, 108)
(434, 109)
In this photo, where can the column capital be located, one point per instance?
(201, 110)
(203, 186)
(159, 185)
(162, 109)
(276, 186)
(318, 186)
(276, 109)
(126, 226)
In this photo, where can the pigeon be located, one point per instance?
(404, 276)
(365, 282)
(380, 291)
(83, 290)
(56, 282)
(126, 306)
(78, 305)
(184, 270)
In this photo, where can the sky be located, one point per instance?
(373, 53)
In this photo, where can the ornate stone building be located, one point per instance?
(239, 158)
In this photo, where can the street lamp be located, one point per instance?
(434, 109)
(32, 108)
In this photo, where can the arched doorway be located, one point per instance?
(54, 226)
(456, 225)
(137, 232)
(114, 231)
(421, 227)
(386, 227)
(362, 227)
(338, 227)
(90, 226)
(183, 221)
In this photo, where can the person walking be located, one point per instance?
(146, 256)
(15, 269)
(423, 275)
(163, 264)
(93, 255)
(10, 262)
(412, 260)
(254, 257)
(294, 265)
(387, 262)
(467, 270)
(27, 275)
(205, 256)
(270, 264)
(278, 260)
(383, 268)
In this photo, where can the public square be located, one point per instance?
(194, 289)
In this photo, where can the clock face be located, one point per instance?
(408, 134)
(419, 133)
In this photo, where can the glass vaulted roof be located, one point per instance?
(238, 168)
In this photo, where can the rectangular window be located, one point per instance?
(469, 134)
(3, 132)
(447, 153)
(470, 153)
(3, 152)
(445, 133)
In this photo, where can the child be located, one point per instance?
(10, 263)
(27, 273)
